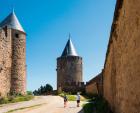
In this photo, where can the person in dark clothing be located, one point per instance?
(65, 101)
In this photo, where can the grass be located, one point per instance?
(73, 97)
(13, 99)
(23, 108)
(70, 97)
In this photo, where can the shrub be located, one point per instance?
(29, 93)
(3, 100)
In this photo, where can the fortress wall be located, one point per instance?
(121, 75)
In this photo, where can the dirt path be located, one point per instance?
(41, 104)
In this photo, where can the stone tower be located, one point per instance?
(69, 69)
(12, 58)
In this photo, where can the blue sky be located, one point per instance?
(48, 23)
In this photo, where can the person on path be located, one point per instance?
(78, 99)
(65, 101)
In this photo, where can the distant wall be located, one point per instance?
(121, 76)
(95, 86)
(92, 88)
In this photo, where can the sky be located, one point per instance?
(48, 24)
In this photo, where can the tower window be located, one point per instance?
(5, 30)
(17, 35)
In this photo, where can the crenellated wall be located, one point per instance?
(69, 72)
(121, 75)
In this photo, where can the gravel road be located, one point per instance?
(41, 104)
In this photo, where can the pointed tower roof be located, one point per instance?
(11, 21)
(69, 49)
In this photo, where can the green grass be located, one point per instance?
(13, 99)
(70, 97)
(23, 108)
(73, 97)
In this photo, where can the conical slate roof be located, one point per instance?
(69, 49)
(11, 21)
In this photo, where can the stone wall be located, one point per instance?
(69, 70)
(5, 61)
(121, 75)
(18, 77)
(92, 88)
(12, 62)
(74, 87)
(95, 85)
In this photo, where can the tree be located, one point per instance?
(48, 88)
(35, 92)
(43, 90)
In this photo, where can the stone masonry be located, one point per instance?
(12, 58)
(95, 85)
(18, 72)
(121, 75)
(69, 72)
(5, 61)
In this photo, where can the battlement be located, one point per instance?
(77, 84)
(73, 87)
(69, 58)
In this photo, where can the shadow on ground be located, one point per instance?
(81, 111)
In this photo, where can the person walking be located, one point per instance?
(65, 101)
(78, 99)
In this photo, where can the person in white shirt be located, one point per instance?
(78, 99)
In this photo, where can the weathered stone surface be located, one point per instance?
(122, 66)
(18, 77)
(95, 85)
(5, 61)
(69, 73)
(12, 62)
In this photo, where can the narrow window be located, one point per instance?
(17, 35)
(5, 30)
